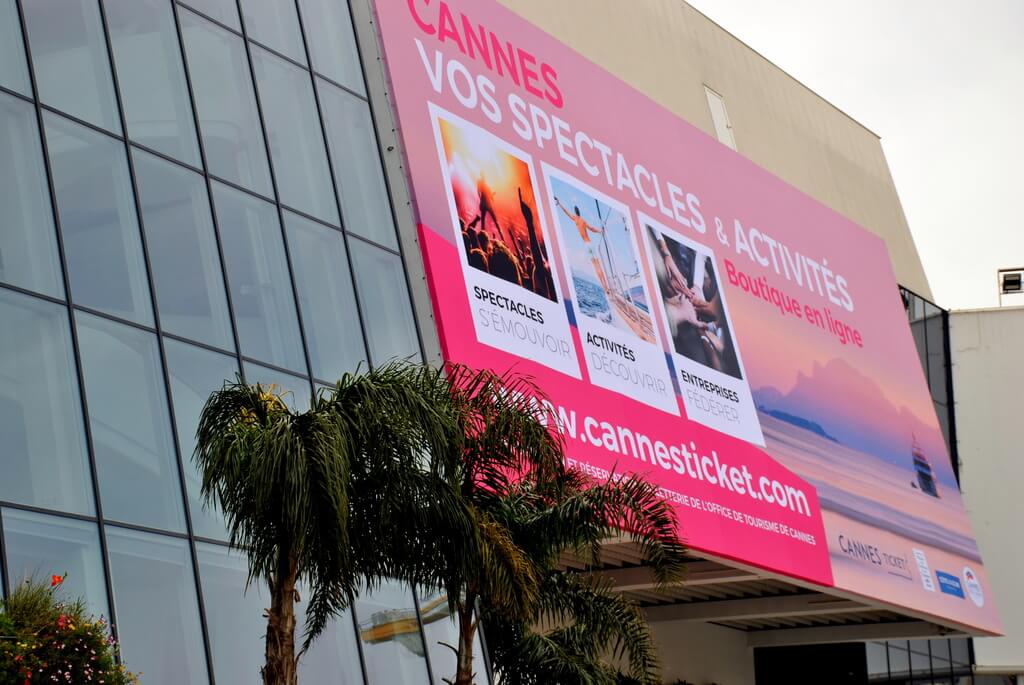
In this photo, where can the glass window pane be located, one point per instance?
(390, 327)
(45, 461)
(261, 290)
(941, 665)
(39, 546)
(195, 373)
(275, 24)
(183, 251)
(899, 659)
(28, 240)
(441, 628)
(131, 429)
(13, 71)
(97, 217)
(920, 661)
(224, 11)
(936, 350)
(334, 657)
(392, 643)
(69, 54)
(294, 389)
(152, 79)
(157, 607)
(960, 651)
(878, 664)
(234, 615)
(357, 165)
(296, 141)
(327, 297)
(332, 42)
(228, 118)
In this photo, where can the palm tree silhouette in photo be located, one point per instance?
(539, 272)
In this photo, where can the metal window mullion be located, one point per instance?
(387, 181)
(363, 667)
(334, 190)
(31, 293)
(371, 242)
(5, 585)
(949, 653)
(81, 122)
(277, 201)
(223, 351)
(150, 280)
(340, 86)
(927, 360)
(136, 145)
(203, 159)
(272, 367)
(198, 12)
(116, 319)
(423, 634)
(13, 93)
(888, 661)
(69, 305)
(48, 512)
(954, 447)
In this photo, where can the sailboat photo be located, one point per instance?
(923, 468)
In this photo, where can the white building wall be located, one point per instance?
(988, 383)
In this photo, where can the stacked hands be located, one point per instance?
(688, 309)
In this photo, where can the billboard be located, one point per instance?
(692, 317)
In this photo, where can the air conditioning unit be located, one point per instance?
(1011, 282)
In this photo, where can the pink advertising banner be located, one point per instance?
(692, 317)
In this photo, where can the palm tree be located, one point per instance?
(335, 496)
(502, 434)
(507, 460)
(581, 629)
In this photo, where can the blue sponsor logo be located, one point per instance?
(950, 584)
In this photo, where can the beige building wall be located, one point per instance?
(701, 654)
(670, 51)
(988, 384)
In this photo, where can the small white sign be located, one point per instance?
(924, 570)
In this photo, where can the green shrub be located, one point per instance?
(44, 639)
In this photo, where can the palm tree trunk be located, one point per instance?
(281, 667)
(467, 631)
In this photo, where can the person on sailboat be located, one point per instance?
(585, 230)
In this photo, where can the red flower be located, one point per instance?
(62, 622)
(56, 580)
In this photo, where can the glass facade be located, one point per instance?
(929, 324)
(192, 191)
(928, 662)
(184, 201)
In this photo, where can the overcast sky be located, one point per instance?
(942, 83)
